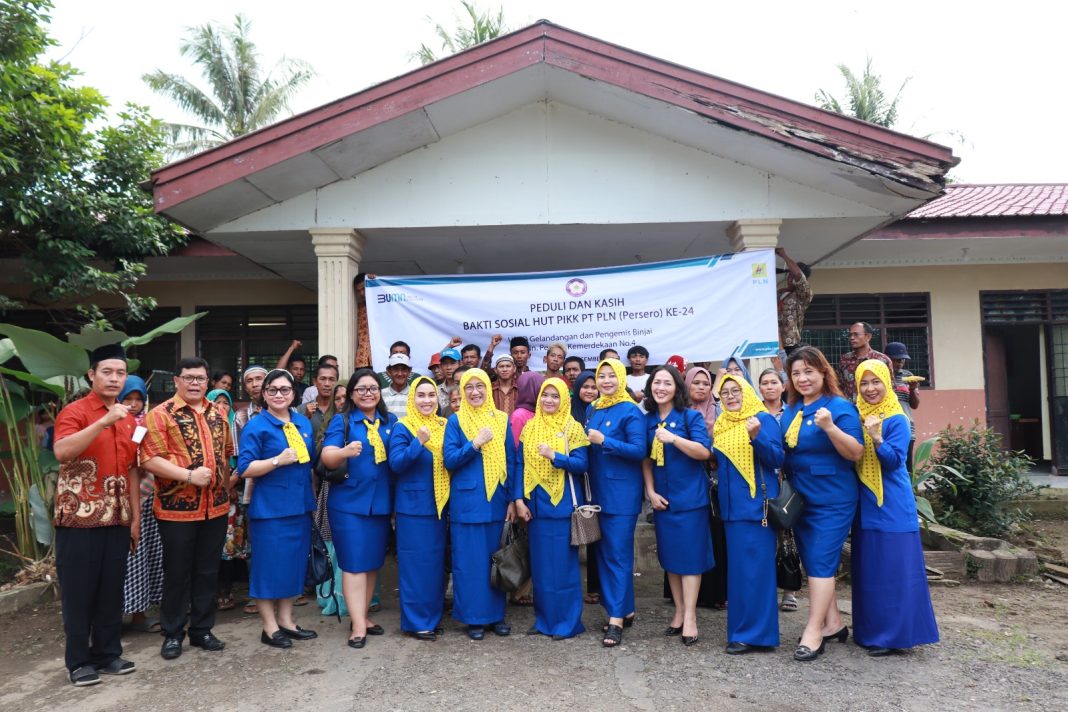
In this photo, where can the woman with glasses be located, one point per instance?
(276, 449)
(359, 506)
(480, 455)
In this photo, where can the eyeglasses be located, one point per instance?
(194, 379)
(474, 388)
(280, 391)
(730, 393)
(366, 390)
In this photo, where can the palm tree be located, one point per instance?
(867, 101)
(483, 27)
(240, 99)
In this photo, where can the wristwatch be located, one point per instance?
(275, 462)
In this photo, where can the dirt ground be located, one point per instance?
(1004, 647)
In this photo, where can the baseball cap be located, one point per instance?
(400, 359)
(435, 360)
(897, 350)
(450, 353)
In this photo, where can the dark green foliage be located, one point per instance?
(981, 482)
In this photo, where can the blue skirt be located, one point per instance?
(280, 568)
(359, 541)
(474, 601)
(891, 599)
(421, 571)
(821, 532)
(615, 563)
(753, 613)
(554, 568)
(684, 541)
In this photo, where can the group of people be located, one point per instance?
(448, 459)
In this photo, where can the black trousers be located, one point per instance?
(91, 565)
(191, 555)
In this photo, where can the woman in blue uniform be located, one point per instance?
(749, 450)
(359, 506)
(677, 487)
(276, 451)
(480, 456)
(422, 491)
(891, 599)
(616, 430)
(552, 453)
(823, 439)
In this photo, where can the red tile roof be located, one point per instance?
(962, 200)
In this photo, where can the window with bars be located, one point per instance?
(894, 317)
(1025, 307)
(233, 338)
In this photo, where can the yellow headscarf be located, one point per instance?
(868, 469)
(621, 392)
(494, 461)
(436, 425)
(560, 431)
(730, 436)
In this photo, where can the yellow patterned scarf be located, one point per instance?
(436, 425)
(620, 395)
(656, 453)
(472, 419)
(868, 469)
(560, 431)
(794, 429)
(731, 437)
(296, 442)
(376, 440)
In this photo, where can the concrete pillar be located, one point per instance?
(338, 252)
(754, 234)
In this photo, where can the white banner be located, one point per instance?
(703, 309)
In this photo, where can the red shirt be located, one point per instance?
(92, 488)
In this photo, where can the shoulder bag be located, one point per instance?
(510, 564)
(784, 509)
(339, 473)
(585, 524)
(787, 562)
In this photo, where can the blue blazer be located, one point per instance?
(412, 466)
(616, 465)
(284, 491)
(898, 513)
(682, 480)
(735, 503)
(467, 492)
(815, 468)
(367, 489)
(574, 463)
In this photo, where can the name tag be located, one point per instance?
(139, 434)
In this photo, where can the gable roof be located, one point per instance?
(358, 132)
(964, 200)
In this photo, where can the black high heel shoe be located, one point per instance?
(806, 654)
(841, 636)
(672, 630)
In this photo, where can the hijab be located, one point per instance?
(706, 408)
(136, 384)
(436, 425)
(621, 395)
(578, 407)
(741, 364)
(869, 470)
(561, 432)
(472, 420)
(528, 386)
(730, 435)
(231, 417)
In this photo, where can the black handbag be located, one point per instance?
(784, 509)
(339, 473)
(787, 562)
(320, 568)
(510, 564)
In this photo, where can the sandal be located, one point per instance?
(789, 602)
(628, 621)
(224, 603)
(251, 608)
(613, 636)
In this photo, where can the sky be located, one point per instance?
(982, 77)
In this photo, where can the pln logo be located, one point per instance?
(576, 287)
(760, 271)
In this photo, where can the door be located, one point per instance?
(996, 373)
(1058, 394)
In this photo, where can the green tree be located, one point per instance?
(483, 26)
(71, 205)
(865, 97)
(241, 98)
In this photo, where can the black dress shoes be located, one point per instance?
(172, 648)
(806, 654)
(689, 640)
(207, 642)
(277, 639)
(877, 652)
(737, 648)
(357, 642)
(841, 636)
(502, 629)
(299, 633)
(672, 630)
(425, 635)
(375, 630)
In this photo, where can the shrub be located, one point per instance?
(980, 483)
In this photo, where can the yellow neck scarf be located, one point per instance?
(376, 440)
(868, 469)
(472, 419)
(561, 432)
(656, 454)
(436, 425)
(620, 395)
(296, 442)
(793, 431)
(731, 437)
